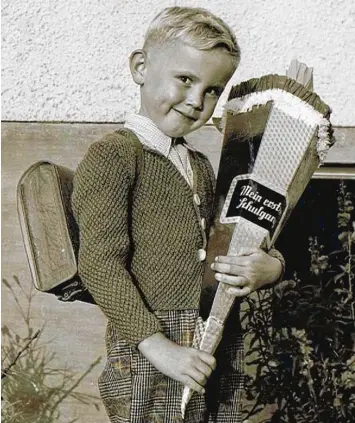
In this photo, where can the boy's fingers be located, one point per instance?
(239, 292)
(245, 251)
(248, 251)
(234, 269)
(204, 368)
(198, 376)
(192, 384)
(239, 281)
(228, 260)
(207, 358)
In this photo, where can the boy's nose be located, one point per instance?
(195, 99)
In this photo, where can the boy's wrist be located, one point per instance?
(275, 254)
(152, 341)
(278, 270)
(278, 266)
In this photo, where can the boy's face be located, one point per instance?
(181, 86)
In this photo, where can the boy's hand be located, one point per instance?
(186, 365)
(248, 271)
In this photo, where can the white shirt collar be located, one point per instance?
(148, 133)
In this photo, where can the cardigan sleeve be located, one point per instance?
(101, 195)
(278, 255)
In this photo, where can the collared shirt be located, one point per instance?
(151, 136)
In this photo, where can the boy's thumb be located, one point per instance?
(247, 251)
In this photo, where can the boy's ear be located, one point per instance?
(137, 64)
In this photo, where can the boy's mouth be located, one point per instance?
(187, 116)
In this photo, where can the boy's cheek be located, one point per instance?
(207, 116)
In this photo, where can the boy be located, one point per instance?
(143, 223)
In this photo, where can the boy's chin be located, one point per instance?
(181, 131)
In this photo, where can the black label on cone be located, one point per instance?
(257, 203)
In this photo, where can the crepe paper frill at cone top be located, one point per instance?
(295, 141)
(289, 96)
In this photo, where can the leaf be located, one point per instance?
(253, 350)
(252, 343)
(342, 409)
(16, 279)
(6, 283)
(5, 330)
(338, 276)
(335, 252)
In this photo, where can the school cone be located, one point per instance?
(256, 198)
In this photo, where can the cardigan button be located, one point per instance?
(197, 199)
(201, 254)
(203, 223)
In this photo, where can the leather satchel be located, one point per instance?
(49, 229)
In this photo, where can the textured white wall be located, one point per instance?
(67, 60)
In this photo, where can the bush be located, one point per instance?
(32, 390)
(304, 368)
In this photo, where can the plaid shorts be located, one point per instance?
(133, 391)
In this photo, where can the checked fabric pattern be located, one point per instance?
(133, 391)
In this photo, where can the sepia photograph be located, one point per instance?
(178, 211)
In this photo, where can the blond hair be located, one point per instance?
(195, 26)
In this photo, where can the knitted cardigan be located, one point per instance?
(139, 250)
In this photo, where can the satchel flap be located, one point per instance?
(41, 198)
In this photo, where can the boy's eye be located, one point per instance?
(185, 79)
(214, 91)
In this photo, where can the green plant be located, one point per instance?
(305, 366)
(32, 390)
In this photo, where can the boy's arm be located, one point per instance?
(187, 365)
(102, 188)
